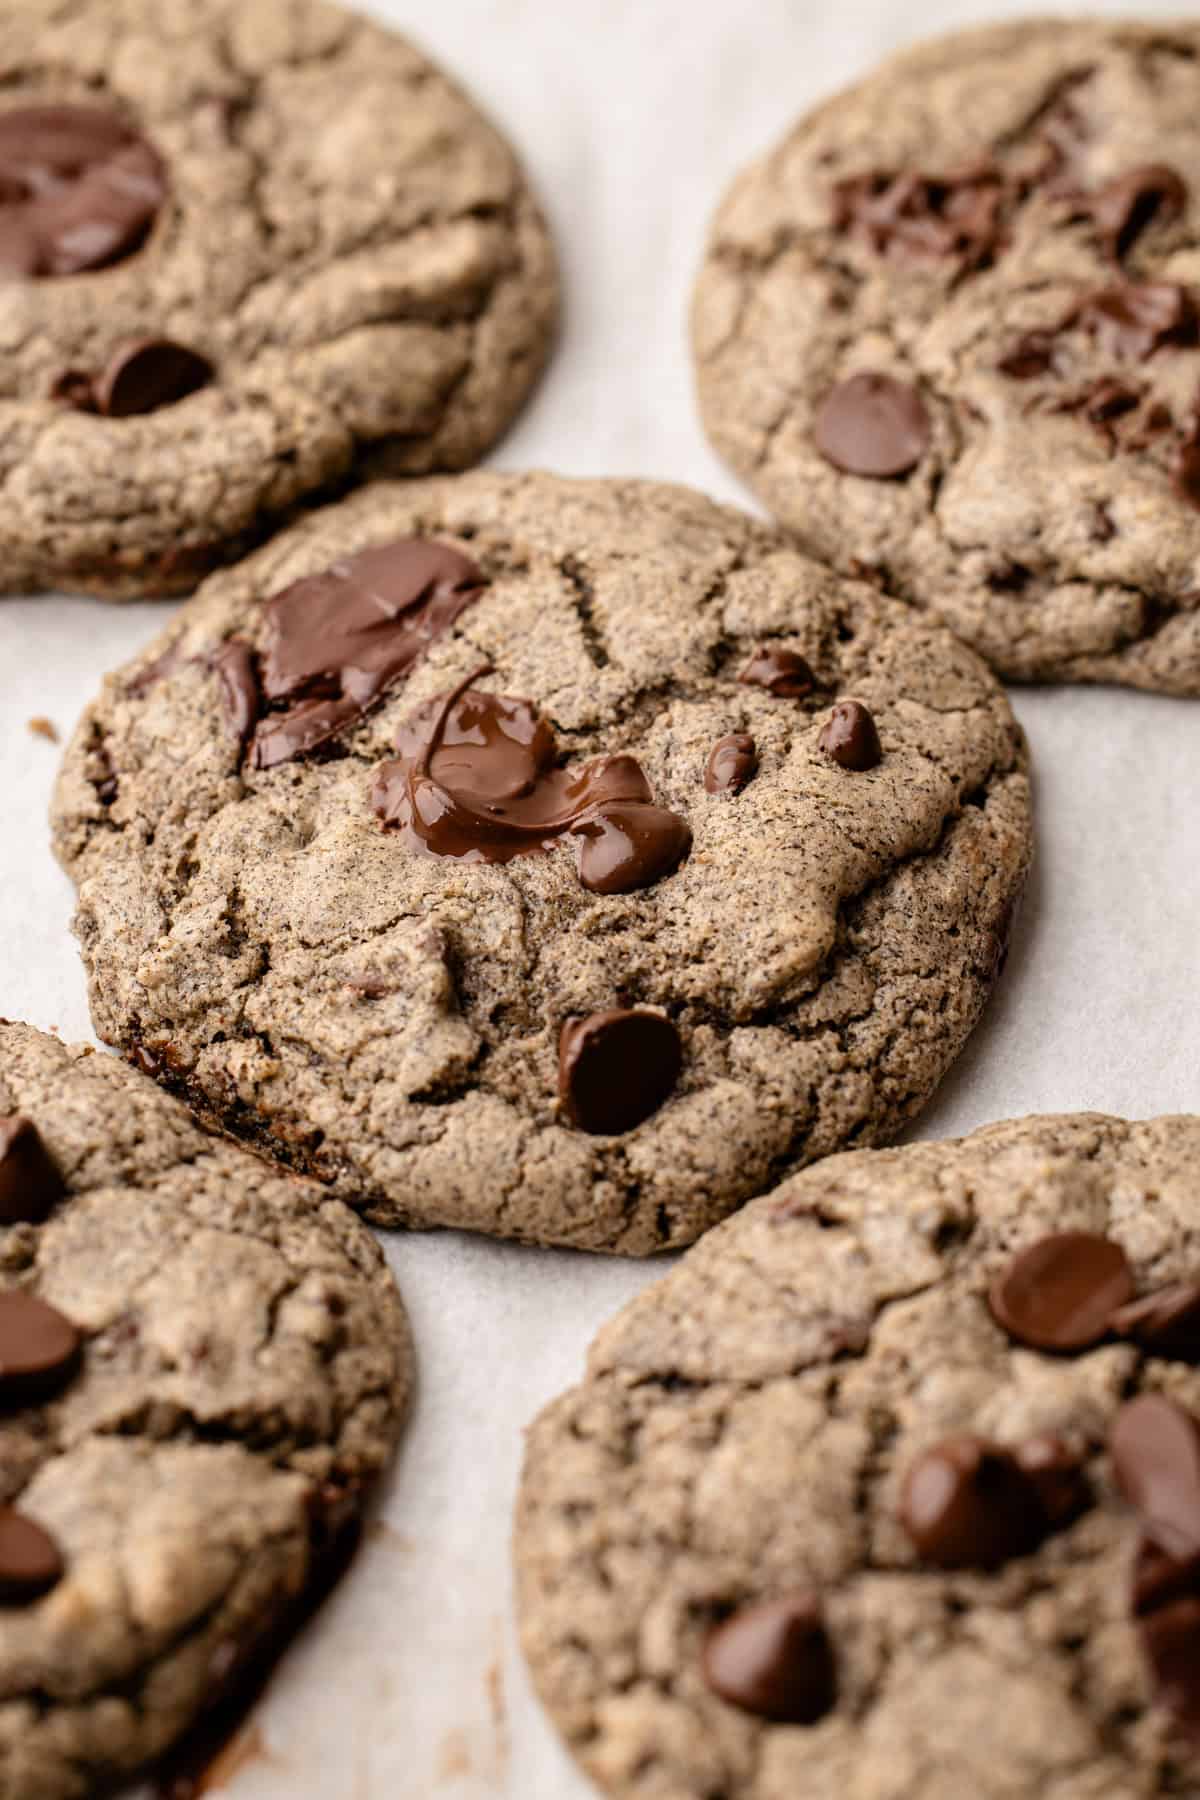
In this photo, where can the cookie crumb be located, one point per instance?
(44, 728)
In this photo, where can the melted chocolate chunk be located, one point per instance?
(1134, 319)
(968, 1504)
(140, 377)
(1185, 472)
(1057, 1474)
(30, 1185)
(79, 189)
(241, 698)
(924, 218)
(732, 762)
(1155, 1449)
(336, 642)
(873, 425)
(849, 737)
(1165, 1322)
(477, 779)
(39, 1348)
(30, 1564)
(1154, 193)
(1061, 1292)
(774, 1659)
(784, 673)
(616, 1068)
(1031, 356)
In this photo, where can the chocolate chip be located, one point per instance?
(1165, 1322)
(784, 673)
(336, 642)
(30, 1185)
(628, 845)
(915, 218)
(1155, 1449)
(1171, 1645)
(616, 1068)
(1185, 472)
(75, 387)
(149, 373)
(39, 1348)
(849, 737)
(1061, 1291)
(79, 189)
(873, 425)
(967, 1504)
(1128, 205)
(774, 1659)
(30, 1564)
(732, 762)
(241, 697)
(1031, 356)
(1135, 319)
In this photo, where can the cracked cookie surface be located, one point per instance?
(970, 222)
(389, 1020)
(244, 1372)
(745, 1427)
(371, 282)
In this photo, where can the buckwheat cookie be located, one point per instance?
(244, 250)
(203, 1366)
(559, 859)
(948, 330)
(892, 1487)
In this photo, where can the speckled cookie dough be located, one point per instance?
(204, 1365)
(948, 331)
(820, 1521)
(245, 250)
(505, 961)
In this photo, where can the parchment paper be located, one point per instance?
(632, 116)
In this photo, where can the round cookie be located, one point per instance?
(245, 250)
(948, 331)
(204, 1365)
(537, 977)
(816, 1522)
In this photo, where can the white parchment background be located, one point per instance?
(632, 115)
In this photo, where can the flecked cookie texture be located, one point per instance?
(771, 1487)
(244, 249)
(948, 331)
(203, 1365)
(506, 961)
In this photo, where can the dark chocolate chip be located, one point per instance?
(1134, 319)
(1165, 1322)
(1171, 1645)
(30, 1564)
(967, 1504)
(1127, 206)
(784, 673)
(1155, 1449)
(30, 1185)
(79, 189)
(1058, 1477)
(1061, 1291)
(773, 1658)
(917, 218)
(1185, 472)
(149, 373)
(241, 697)
(624, 845)
(732, 762)
(39, 1348)
(849, 737)
(1031, 356)
(75, 388)
(616, 1068)
(873, 425)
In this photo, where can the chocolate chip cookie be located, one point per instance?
(559, 859)
(203, 1366)
(949, 331)
(892, 1487)
(245, 250)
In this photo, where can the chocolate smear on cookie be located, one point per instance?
(477, 778)
(30, 1185)
(1126, 207)
(615, 1068)
(334, 643)
(79, 190)
(1134, 319)
(773, 1658)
